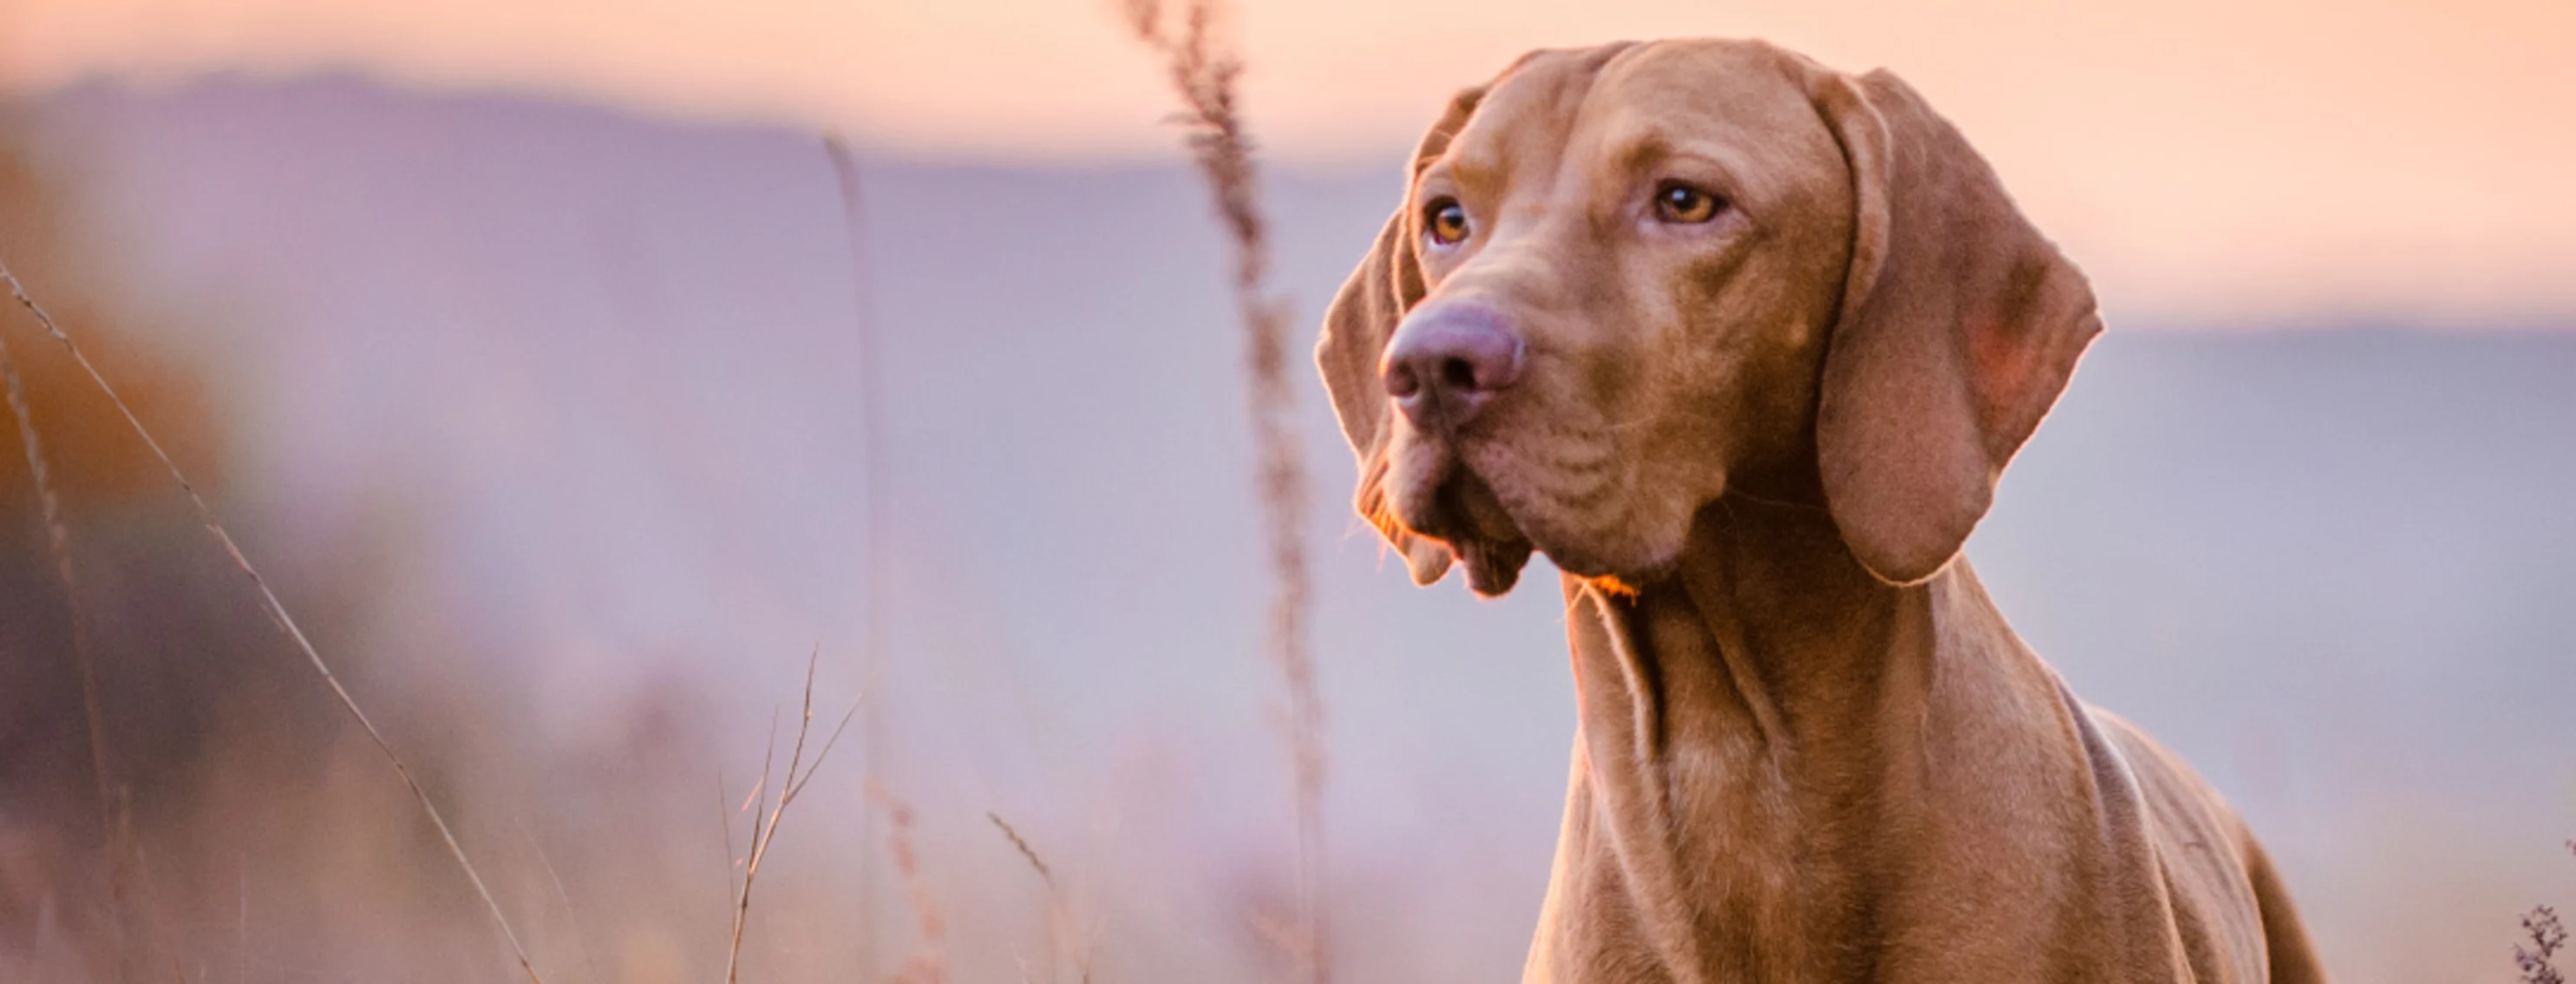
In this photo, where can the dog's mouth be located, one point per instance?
(1464, 513)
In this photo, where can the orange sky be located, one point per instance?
(2204, 158)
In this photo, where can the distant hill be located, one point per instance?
(600, 373)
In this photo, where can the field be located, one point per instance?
(548, 423)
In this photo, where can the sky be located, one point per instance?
(2297, 161)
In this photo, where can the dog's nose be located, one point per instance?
(1445, 364)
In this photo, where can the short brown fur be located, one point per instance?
(1809, 748)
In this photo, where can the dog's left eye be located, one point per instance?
(1686, 205)
(1446, 221)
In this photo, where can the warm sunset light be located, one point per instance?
(540, 418)
(2304, 159)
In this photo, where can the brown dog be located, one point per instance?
(1743, 343)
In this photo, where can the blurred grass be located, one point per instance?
(276, 848)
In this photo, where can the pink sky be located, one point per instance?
(2204, 158)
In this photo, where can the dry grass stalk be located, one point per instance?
(276, 612)
(1060, 932)
(872, 724)
(2542, 927)
(765, 833)
(58, 539)
(2547, 935)
(563, 895)
(929, 962)
(1204, 74)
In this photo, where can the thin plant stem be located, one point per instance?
(1203, 73)
(871, 373)
(1059, 920)
(929, 963)
(276, 611)
(790, 786)
(58, 539)
(572, 916)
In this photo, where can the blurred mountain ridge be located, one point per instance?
(579, 389)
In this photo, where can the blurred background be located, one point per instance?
(523, 345)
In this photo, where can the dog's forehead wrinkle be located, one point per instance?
(1727, 115)
(1527, 117)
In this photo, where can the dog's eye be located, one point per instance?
(1680, 203)
(1445, 221)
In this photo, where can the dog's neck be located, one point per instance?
(1725, 710)
(1766, 630)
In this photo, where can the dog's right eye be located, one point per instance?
(1445, 221)
(1683, 204)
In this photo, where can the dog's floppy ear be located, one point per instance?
(1387, 284)
(1960, 324)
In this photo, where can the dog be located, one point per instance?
(1743, 343)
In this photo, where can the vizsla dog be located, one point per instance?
(1743, 343)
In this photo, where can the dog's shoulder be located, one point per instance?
(2205, 854)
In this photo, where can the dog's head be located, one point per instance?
(1628, 279)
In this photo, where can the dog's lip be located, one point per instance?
(1514, 516)
(1493, 566)
(1471, 498)
(1451, 500)
(1461, 510)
